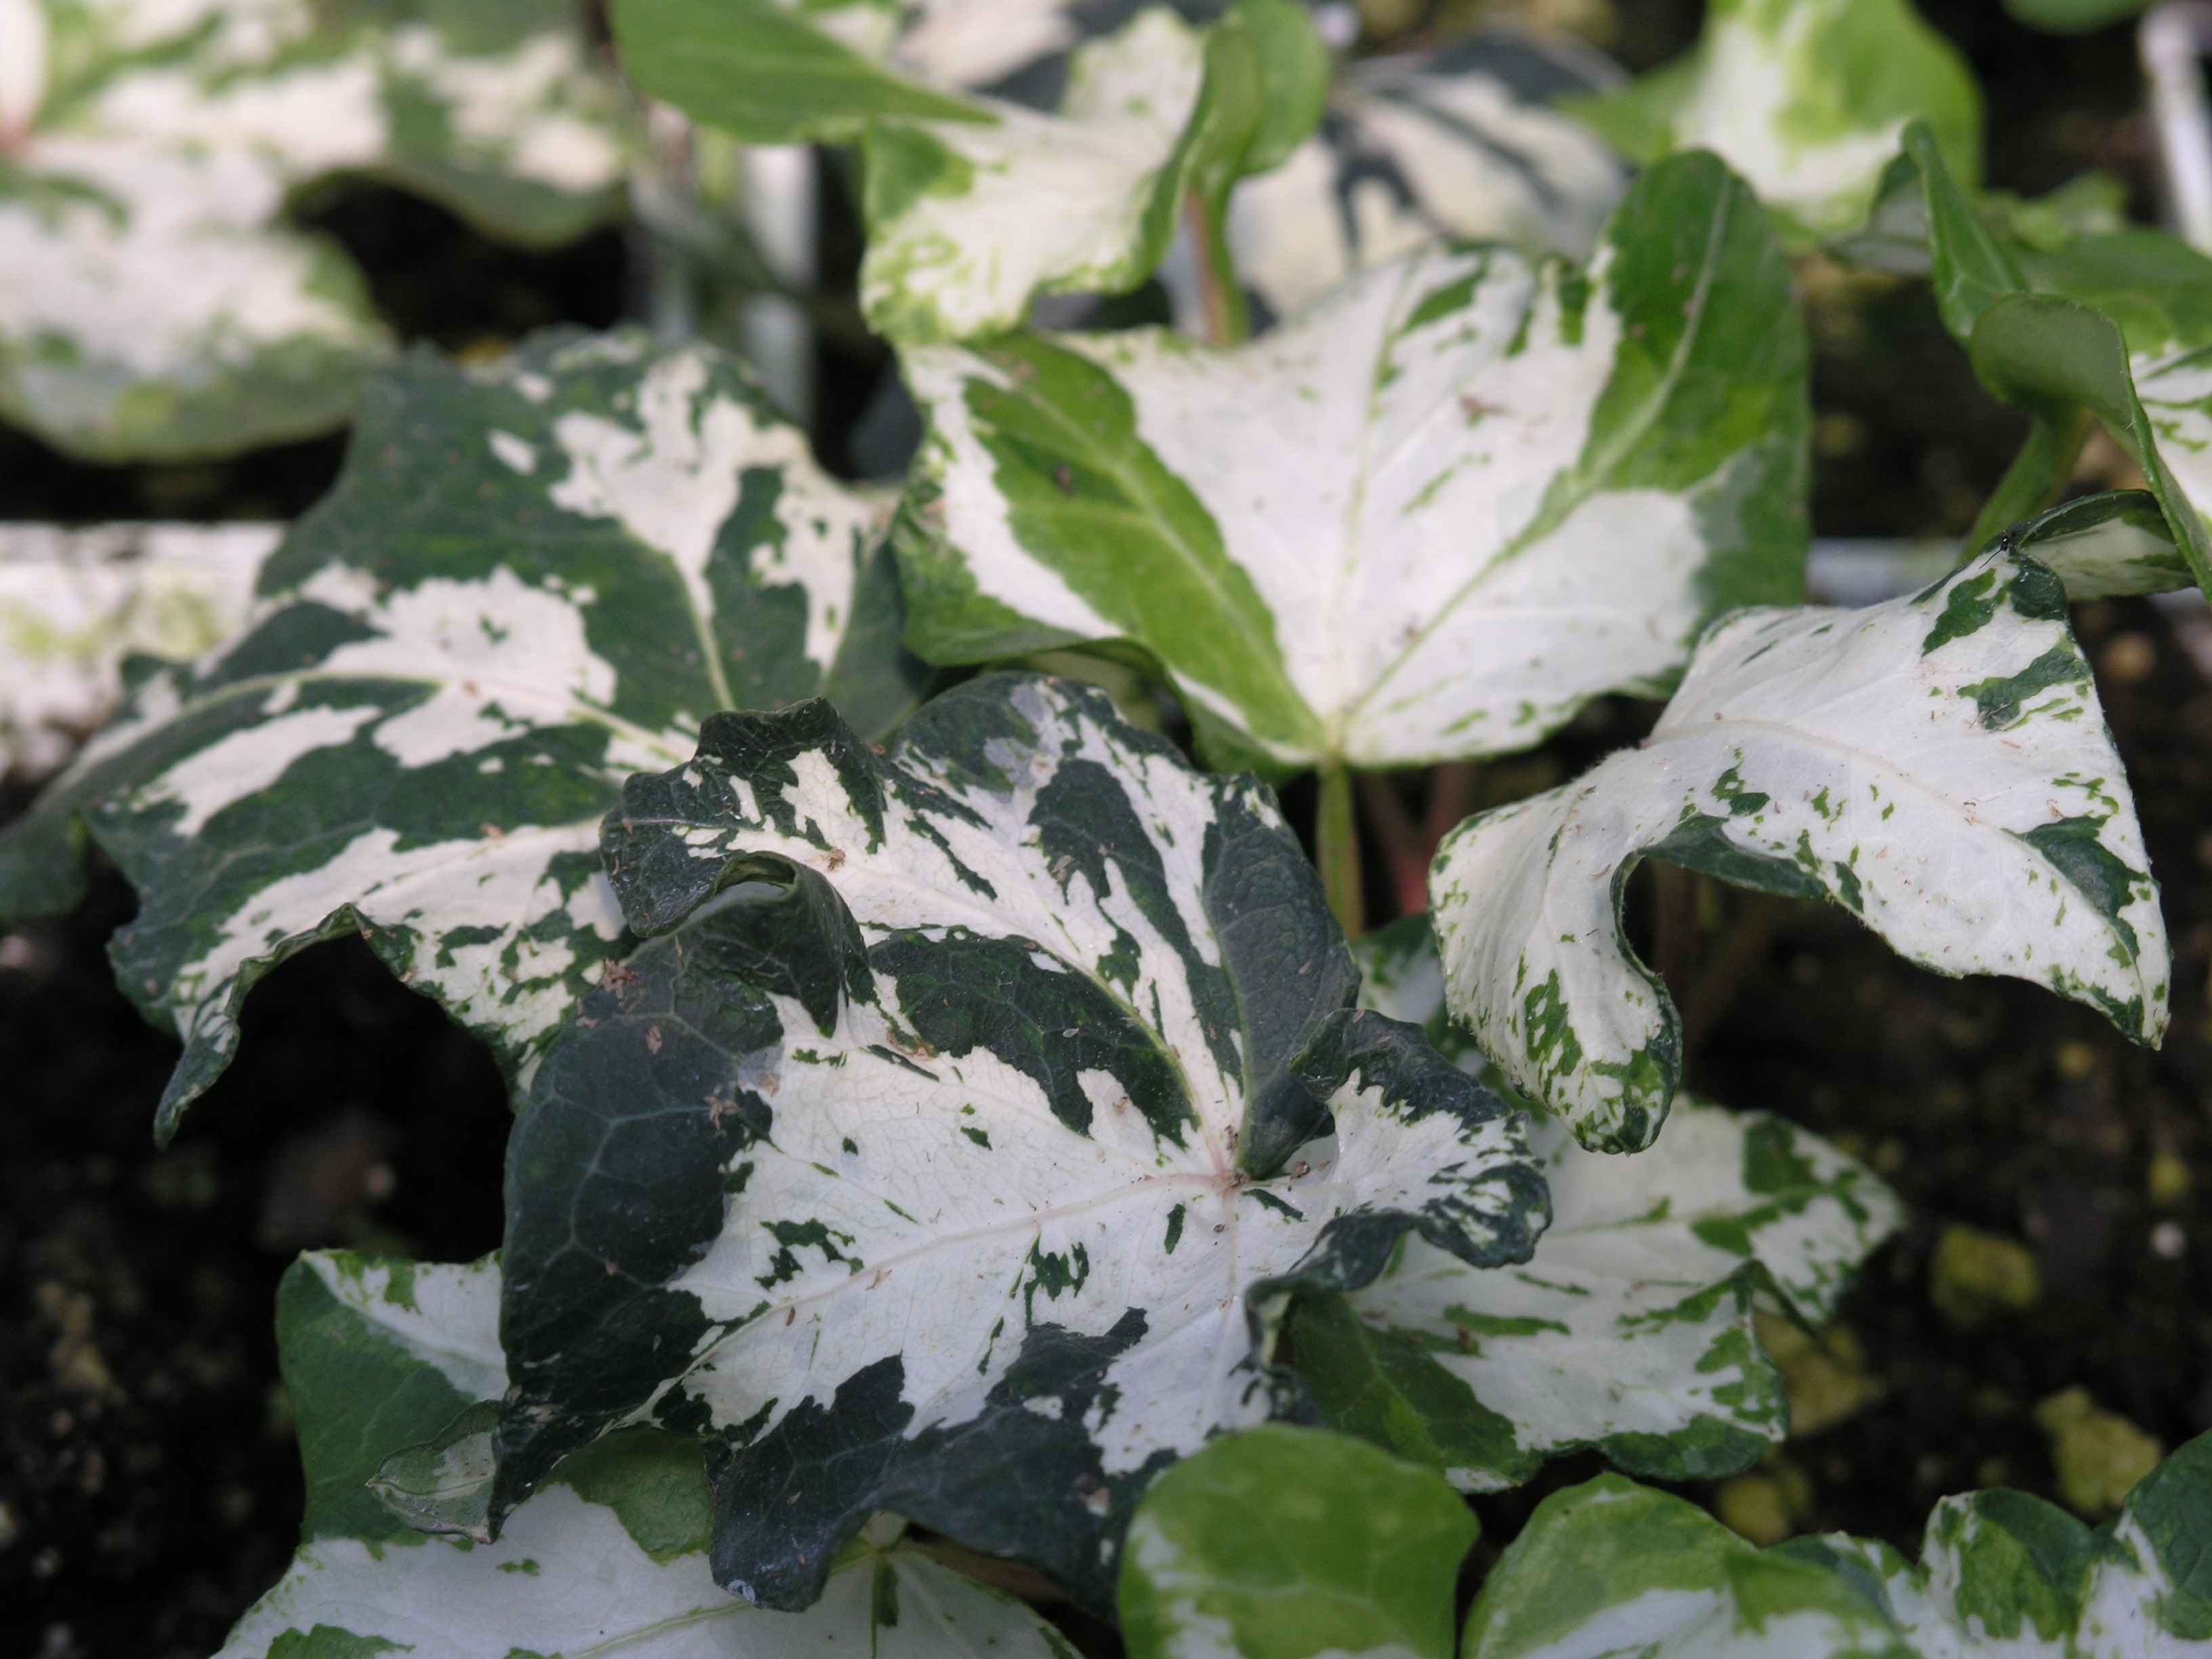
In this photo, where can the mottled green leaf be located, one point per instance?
(1430, 517)
(153, 302)
(1610, 1568)
(612, 1556)
(1285, 1543)
(532, 580)
(1458, 142)
(75, 604)
(2108, 546)
(1939, 763)
(1806, 99)
(925, 1158)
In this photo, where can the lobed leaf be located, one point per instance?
(1394, 529)
(1284, 1543)
(532, 580)
(612, 1556)
(154, 304)
(1806, 99)
(926, 1157)
(1939, 763)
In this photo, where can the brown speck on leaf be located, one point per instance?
(790, 1315)
(1221, 1227)
(1064, 476)
(653, 1038)
(835, 859)
(1476, 407)
(1301, 1169)
(610, 1266)
(494, 831)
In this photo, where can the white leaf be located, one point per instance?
(1939, 763)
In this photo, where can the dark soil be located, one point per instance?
(150, 1486)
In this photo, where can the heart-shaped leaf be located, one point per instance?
(613, 1555)
(532, 580)
(153, 302)
(1460, 141)
(923, 1160)
(1806, 99)
(1432, 517)
(1938, 763)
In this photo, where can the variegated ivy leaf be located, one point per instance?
(975, 205)
(1460, 141)
(1612, 1568)
(925, 1159)
(2110, 326)
(2003, 1575)
(75, 604)
(532, 580)
(613, 1555)
(1284, 1543)
(1807, 98)
(2107, 545)
(1430, 517)
(153, 302)
(1629, 1328)
(1939, 763)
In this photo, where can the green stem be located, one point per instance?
(2034, 478)
(1336, 848)
(1228, 318)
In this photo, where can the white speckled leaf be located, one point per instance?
(928, 1167)
(1461, 143)
(1806, 99)
(75, 602)
(612, 1556)
(1430, 517)
(532, 580)
(1610, 1568)
(1939, 763)
(152, 301)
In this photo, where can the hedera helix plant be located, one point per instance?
(941, 1104)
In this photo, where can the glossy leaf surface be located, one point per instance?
(1430, 517)
(532, 580)
(1939, 764)
(926, 1157)
(613, 1556)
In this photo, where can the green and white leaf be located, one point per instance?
(2003, 1575)
(74, 604)
(1430, 517)
(1631, 1328)
(1938, 763)
(974, 205)
(1612, 1568)
(925, 1158)
(1283, 1543)
(1806, 99)
(612, 1556)
(532, 580)
(153, 301)
(2107, 546)
(1459, 142)
(2116, 327)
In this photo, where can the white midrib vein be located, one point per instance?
(1593, 476)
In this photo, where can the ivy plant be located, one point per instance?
(948, 1117)
(154, 301)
